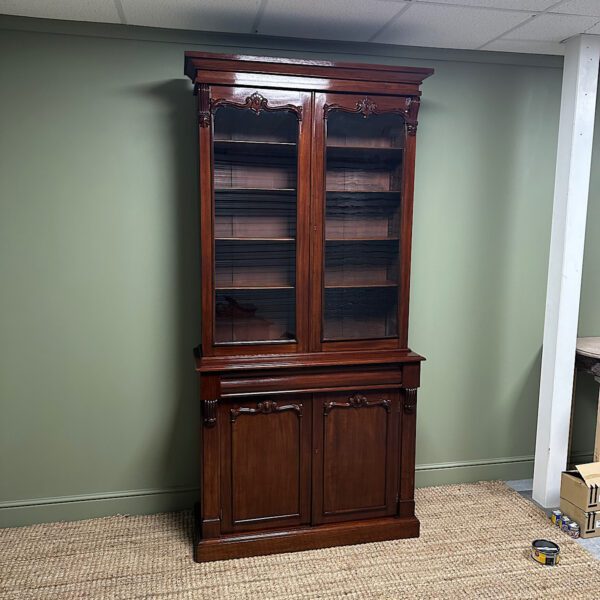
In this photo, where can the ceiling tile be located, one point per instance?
(101, 11)
(579, 7)
(527, 5)
(355, 20)
(595, 29)
(552, 28)
(529, 47)
(235, 16)
(449, 26)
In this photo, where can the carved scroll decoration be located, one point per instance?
(410, 400)
(256, 103)
(356, 401)
(367, 107)
(209, 412)
(264, 408)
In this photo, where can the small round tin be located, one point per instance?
(573, 531)
(545, 552)
(556, 516)
(564, 523)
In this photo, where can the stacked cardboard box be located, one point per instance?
(580, 498)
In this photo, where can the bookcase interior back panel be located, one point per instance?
(251, 315)
(360, 313)
(375, 131)
(269, 214)
(358, 216)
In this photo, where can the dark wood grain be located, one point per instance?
(291, 68)
(272, 541)
(355, 457)
(307, 385)
(265, 459)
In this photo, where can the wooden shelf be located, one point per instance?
(244, 190)
(343, 286)
(363, 194)
(366, 148)
(363, 239)
(241, 148)
(255, 239)
(252, 144)
(254, 288)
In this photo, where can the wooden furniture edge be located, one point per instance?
(212, 364)
(305, 538)
(195, 61)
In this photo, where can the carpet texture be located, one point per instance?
(474, 543)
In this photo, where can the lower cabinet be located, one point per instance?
(308, 459)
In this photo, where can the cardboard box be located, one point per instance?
(580, 498)
(589, 522)
(582, 487)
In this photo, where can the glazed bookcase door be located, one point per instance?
(362, 179)
(265, 463)
(256, 156)
(356, 459)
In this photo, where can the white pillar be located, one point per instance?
(571, 186)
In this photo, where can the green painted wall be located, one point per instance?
(99, 262)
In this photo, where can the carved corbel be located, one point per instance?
(411, 128)
(410, 401)
(204, 115)
(209, 412)
(413, 104)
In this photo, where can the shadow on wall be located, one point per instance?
(181, 458)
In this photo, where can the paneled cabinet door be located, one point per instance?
(265, 463)
(356, 455)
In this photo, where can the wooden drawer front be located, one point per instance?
(350, 378)
(265, 463)
(355, 463)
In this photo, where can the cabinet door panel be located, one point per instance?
(362, 202)
(255, 149)
(265, 461)
(356, 456)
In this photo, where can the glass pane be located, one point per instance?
(255, 166)
(362, 225)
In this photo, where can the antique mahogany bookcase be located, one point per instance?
(307, 384)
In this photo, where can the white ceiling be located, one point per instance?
(537, 26)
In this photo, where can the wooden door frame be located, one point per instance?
(407, 107)
(256, 99)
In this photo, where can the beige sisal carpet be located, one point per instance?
(474, 544)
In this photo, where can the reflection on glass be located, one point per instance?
(362, 225)
(255, 166)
